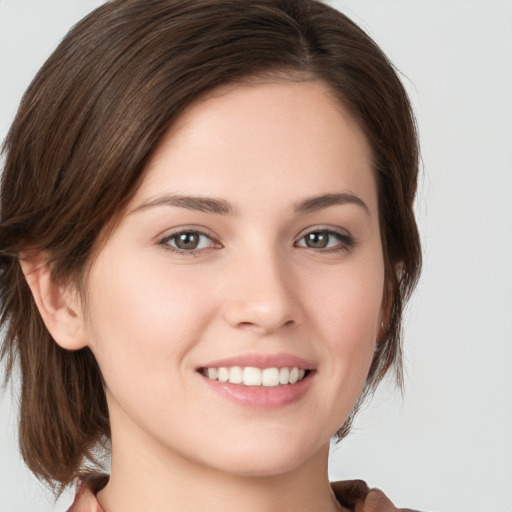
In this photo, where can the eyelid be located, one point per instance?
(346, 240)
(163, 240)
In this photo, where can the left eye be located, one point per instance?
(324, 239)
(188, 241)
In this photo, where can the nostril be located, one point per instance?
(264, 325)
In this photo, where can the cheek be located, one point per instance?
(348, 313)
(356, 314)
(352, 333)
(349, 305)
(140, 322)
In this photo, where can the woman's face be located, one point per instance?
(251, 252)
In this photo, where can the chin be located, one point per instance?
(264, 458)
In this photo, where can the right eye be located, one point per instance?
(187, 241)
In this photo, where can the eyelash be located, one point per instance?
(164, 242)
(346, 241)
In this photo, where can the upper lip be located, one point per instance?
(262, 361)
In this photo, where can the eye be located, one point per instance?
(326, 239)
(187, 241)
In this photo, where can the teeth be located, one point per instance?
(223, 374)
(250, 376)
(236, 375)
(294, 375)
(270, 377)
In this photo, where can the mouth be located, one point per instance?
(250, 376)
(260, 381)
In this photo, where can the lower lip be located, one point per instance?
(261, 397)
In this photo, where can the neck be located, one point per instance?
(152, 478)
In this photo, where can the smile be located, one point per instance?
(251, 376)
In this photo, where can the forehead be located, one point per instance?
(270, 139)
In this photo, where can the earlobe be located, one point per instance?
(58, 305)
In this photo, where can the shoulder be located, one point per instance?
(356, 496)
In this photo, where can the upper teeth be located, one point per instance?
(250, 376)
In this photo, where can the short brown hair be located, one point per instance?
(77, 149)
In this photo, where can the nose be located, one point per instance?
(262, 295)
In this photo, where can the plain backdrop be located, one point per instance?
(447, 444)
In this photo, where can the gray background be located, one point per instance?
(447, 445)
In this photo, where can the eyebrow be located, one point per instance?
(222, 207)
(202, 204)
(325, 200)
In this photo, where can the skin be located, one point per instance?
(254, 286)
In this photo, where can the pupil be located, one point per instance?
(317, 240)
(187, 241)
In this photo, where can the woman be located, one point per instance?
(207, 241)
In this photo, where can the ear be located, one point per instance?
(58, 305)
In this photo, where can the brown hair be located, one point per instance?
(77, 149)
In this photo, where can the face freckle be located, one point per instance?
(253, 242)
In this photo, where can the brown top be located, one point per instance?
(354, 495)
